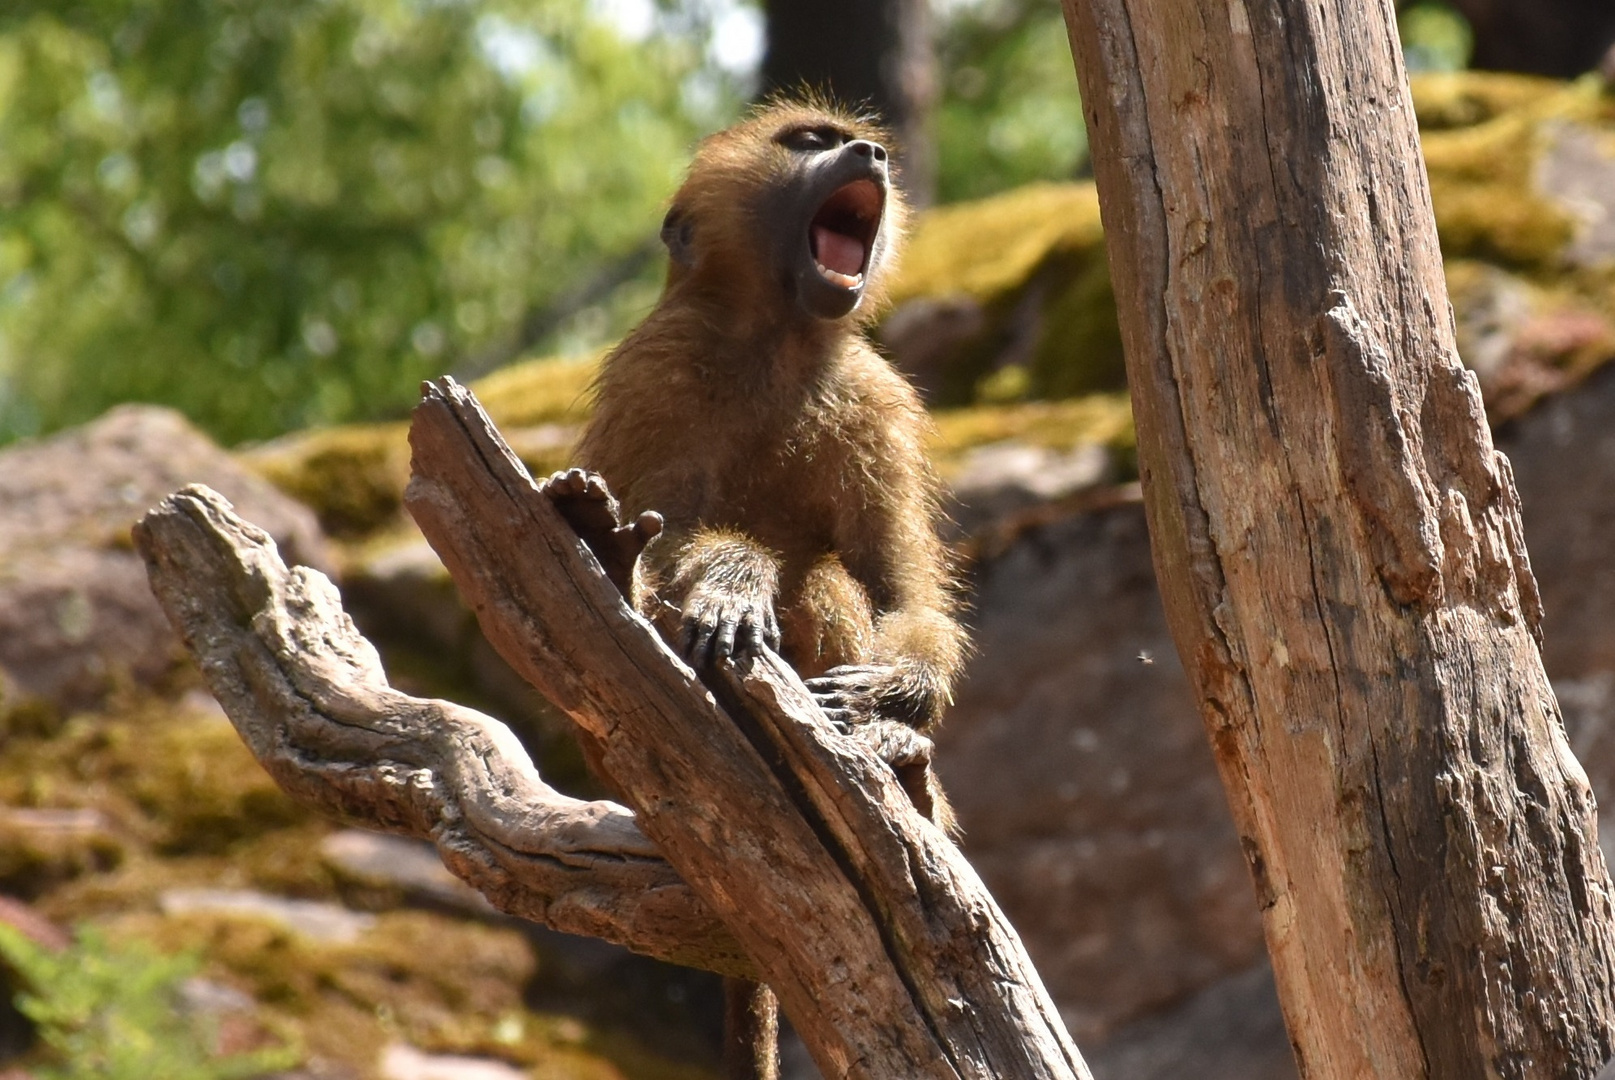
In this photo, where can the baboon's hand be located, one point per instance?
(721, 625)
(851, 694)
(858, 693)
(588, 507)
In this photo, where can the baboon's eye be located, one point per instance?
(809, 140)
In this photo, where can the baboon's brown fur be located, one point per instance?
(786, 456)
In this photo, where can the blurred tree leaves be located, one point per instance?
(1009, 112)
(277, 213)
(1434, 37)
(273, 213)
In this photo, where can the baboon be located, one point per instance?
(784, 456)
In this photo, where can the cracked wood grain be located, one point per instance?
(308, 695)
(1339, 544)
(883, 946)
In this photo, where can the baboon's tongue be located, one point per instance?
(843, 254)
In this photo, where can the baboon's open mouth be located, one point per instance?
(842, 233)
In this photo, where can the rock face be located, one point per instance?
(1078, 766)
(1231, 1030)
(76, 616)
(1564, 464)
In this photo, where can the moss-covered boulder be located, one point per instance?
(353, 476)
(1008, 298)
(153, 823)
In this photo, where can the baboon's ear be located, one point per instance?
(678, 233)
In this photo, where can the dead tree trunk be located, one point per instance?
(1339, 546)
(885, 949)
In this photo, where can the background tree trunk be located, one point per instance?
(865, 52)
(1564, 38)
(1339, 546)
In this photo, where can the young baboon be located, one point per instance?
(785, 457)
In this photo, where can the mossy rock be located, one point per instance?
(1464, 98)
(162, 795)
(1010, 298)
(537, 392)
(1096, 419)
(354, 476)
(442, 985)
(1485, 137)
(172, 775)
(991, 246)
(1029, 266)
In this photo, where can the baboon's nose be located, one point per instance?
(865, 148)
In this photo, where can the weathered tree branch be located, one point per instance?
(308, 695)
(886, 951)
(884, 947)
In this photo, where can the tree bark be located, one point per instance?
(883, 945)
(1339, 546)
(884, 948)
(750, 1031)
(309, 697)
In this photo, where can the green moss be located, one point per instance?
(353, 477)
(992, 246)
(1460, 99)
(1485, 204)
(1034, 261)
(176, 801)
(1485, 137)
(1103, 419)
(545, 391)
(1080, 349)
(35, 857)
(441, 984)
(177, 779)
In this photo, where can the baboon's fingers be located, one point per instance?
(752, 638)
(844, 719)
(723, 642)
(701, 642)
(826, 690)
(647, 527)
(686, 646)
(848, 672)
(558, 486)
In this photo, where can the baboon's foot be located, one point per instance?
(589, 508)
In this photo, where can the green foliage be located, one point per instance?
(1010, 113)
(275, 213)
(115, 1013)
(1434, 37)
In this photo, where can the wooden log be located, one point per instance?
(1339, 545)
(883, 946)
(308, 695)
